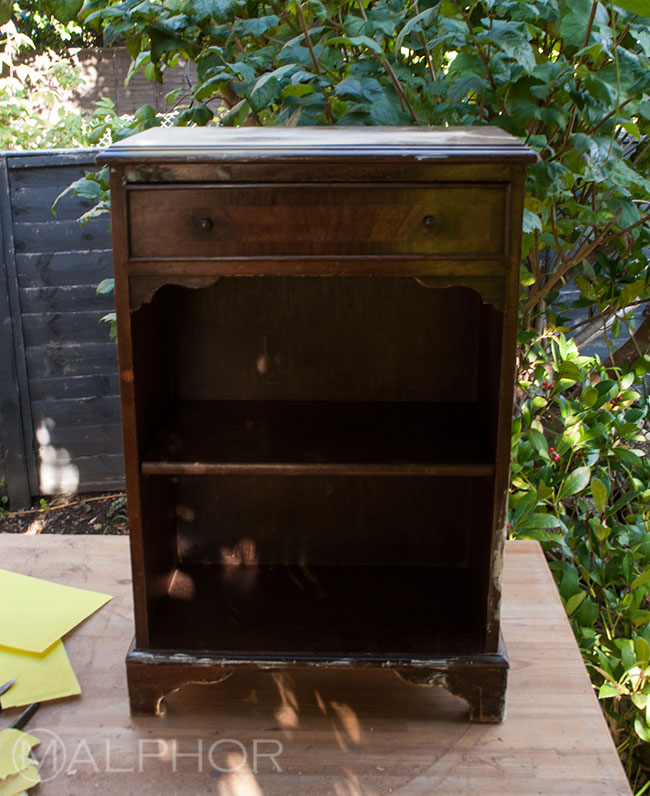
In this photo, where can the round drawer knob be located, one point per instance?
(429, 222)
(206, 224)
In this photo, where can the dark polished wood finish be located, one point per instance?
(316, 332)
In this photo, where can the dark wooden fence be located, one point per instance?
(59, 405)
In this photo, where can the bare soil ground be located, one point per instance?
(85, 514)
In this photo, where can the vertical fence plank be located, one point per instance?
(70, 362)
(17, 465)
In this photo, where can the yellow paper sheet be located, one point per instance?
(38, 677)
(15, 747)
(35, 613)
(18, 783)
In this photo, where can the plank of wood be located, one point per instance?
(320, 732)
(45, 269)
(17, 430)
(59, 328)
(71, 360)
(53, 236)
(40, 159)
(64, 299)
(87, 411)
(111, 484)
(34, 191)
(85, 386)
(88, 440)
(99, 468)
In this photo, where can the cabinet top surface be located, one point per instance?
(317, 143)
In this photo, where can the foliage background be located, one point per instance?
(572, 80)
(33, 114)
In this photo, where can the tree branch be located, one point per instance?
(632, 349)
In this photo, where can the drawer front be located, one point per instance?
(226, 221)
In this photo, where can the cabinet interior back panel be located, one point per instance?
(316, 520)
(327, 339)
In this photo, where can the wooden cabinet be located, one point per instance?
(316, 334)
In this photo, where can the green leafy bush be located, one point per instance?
(32, 110)
(569, 78)
(581, 486)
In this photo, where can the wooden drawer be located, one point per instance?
(281, 220)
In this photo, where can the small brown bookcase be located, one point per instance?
(316, 332)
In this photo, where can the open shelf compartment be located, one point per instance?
(321, 438)
(319, 612)
(379, 398)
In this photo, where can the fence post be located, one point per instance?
(16, 459)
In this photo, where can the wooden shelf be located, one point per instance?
(319, 612)
(321, 438)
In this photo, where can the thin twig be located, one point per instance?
(310, 46)
(61, 505)
(593, 129)
(423, 41)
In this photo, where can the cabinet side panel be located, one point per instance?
(142, 352)
(157, 525)
(506, 401)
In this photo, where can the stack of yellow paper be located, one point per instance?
(18, 769)
(34, 615)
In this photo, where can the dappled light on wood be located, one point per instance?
(349, 722)
(287, 713)
(239, 779)
(57, 474)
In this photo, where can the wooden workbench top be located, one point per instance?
(330, 732)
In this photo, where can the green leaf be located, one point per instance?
(6, 8)
(355, 41)
(350, 88)
(626, 498)
(257, 26)
(464, 86)
(219, 10)
(106, 286)
(574, 602)
(575, 482)
(601, 532)
(424, 18)
(589, 396)
(641, 580)
(512, 37)
(608, 690)
(531, 221)
(640, 7)
(629, 459)
(574, 17)
(599, 493)
(524, 507)
(65, 10)
(237, 115)
(642, 651)
(281, 71)
(539, 442)
(641, 728)
(540, 521)
(569, 584)
(145, 113)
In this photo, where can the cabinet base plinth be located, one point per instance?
(479, 679)
(482, 685)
